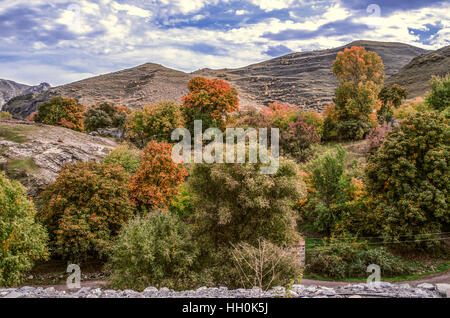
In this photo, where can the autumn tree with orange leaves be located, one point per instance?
(210, 101)
(156, 182)
(360, 75)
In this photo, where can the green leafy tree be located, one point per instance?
(391, 98)
(105, 115)
(23, 241)
(439, 97)
(125, 156)
(154, 122)
(408, 178)
(154, 250)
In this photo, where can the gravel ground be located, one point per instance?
(382, 289)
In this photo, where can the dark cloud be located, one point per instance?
(278, 50)
(342, 27)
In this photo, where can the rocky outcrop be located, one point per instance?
(10, 89)
(34, 153)
(416, 75)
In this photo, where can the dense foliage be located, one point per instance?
(297, 139)
(155, 122)
(58, 111)
(156, 182)
(105, 115)
(330, 193)
(211, 101)
(409, 178)
(125, 156)
(22, 240)
(154, 250)
(5, 115)
(439, 97)
(360, 75)
(85, 208)
(236, 203)
(343, 259)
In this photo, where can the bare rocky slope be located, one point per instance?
(303, 78)
(11, 89)
(34, 153)
(415, 76)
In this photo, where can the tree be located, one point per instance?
(85, 208)
(127, 157)
(235, 203)
(210, 101)
(23, 241)
(153, 250)
(408, 178)
(105, 115)
(360, 75)
(391, 98)
(154, 122)
(297, 139)
(439, 97)
(58, 111)
(156, 182)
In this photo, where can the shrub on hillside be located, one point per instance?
(297, 139)
(211, 101)
(105, 115)
(410, 108)
(439, 97)
(344, 259)
(154, 250)
(58, 111)
(408, 178)
(22, 240)
(183, 203)
(85, 208)
(156, 182)
(125, 156)
(264, 265)
(154, 122)
(360, 75)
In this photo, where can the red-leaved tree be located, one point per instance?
(156, 182)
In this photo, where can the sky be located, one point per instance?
(59, 41)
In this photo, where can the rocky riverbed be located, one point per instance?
(382, 289)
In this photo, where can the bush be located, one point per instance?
(58, 111)
(154, 122)
(360, 75)
(126, 157)
(344, 259)
(410, 108)
(211, 101)
(22, 240)
(328, 193)
(235, 203)
(297, 139)
(85, 208)
(264, 265)
(408, 178)
(5, 115)
(439, 98)
(156, 182)
(183, 203)
(155, 250)
(105, 115)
